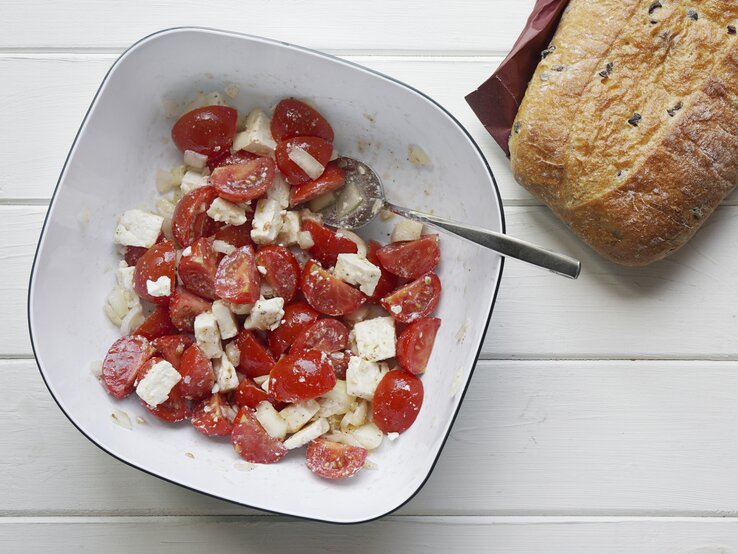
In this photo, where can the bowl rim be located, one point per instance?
(209, 30)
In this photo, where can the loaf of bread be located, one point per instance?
(629, 126)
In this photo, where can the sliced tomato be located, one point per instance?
(197, 271)
(327, 335)
(282, 272)
(415, 344)
(188, 221)
(210, 417)
(171, 348)
(397, 401)
(243, 182)
(328, 294)
(205, 226)
(317, 147)
(197, 374)
(294, 118)
(174, 408)
(254, 360)
(158, 261)
(252, 442)
(208, 130)
(297, 318)
(230, 158)
(122, 362)
(412, 258)
(301, 376)
(332, 179)
(157, 324)
(249, 394)
(132, 254)
(340, 362)
(415, 300)
(235, 235)
(185, 307)
(327, 244)
(333, 460)
(387, 282)
(237, 279)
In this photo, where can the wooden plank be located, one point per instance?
(396, 534)
(534, 437)
(413, 25)
(687, 303)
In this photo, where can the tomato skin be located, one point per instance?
(415, 300)
(412, 258)
(186, 226)
(171, 348)
(328, 294)
(158, 261)
(387, 282)
(297, 318)
(122, 363)
(235, 235)
(174, 408)
(185, 307)
(318, 148)
(415, 344)
(230, 158)
(208, 130)
(282, 270)
(332, 179)
(197, 271)
(237, 279)
(254, 360)
(294, 118)
(340, 362)
(326, 335)
(397, 401)
(301, 376)
(249, 394)
(252, 442)
(210, 417)
(243, 182)
(197, 373)
(327, 244)
(133, 253)
(332, 460)
(157, 324)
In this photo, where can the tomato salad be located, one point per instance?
(245, 315)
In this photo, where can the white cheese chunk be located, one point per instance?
(165, 181)
(362, 377)
(207, 335)
(227, 212)
(266, 314)
(320, 203)
(233, 353)
(289, 234)
(193, 159)
(336, 401)
(375, 338)
(267, 221)
(240, 309)
(406, 229)
(369, 436)
(124, 276)
(192, 180)
(257, 136)
(161, 287)
(305, 240)
(155, 387)
(297, 415)
(355, 270)
(226, 378)
(307, 434)
(138, 228)
(227, 324)
(270, 420)
(302, 158)
(355, 417)
(279, 191)
(223, 247)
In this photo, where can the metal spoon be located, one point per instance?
(363, 198)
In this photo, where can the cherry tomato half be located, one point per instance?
(327, 244)
(237, 279)
(235, 235)
(332, 179)
(249, 394)
(282, 270)
(318, 148)
(171, 348)
(243, 182)
(294, 118)
(297, 318)
(197, 373)
(157, 324)
(122, 363)
(189, 218)
(210, 417)
(301, 376)
(415, 300)
(328, 294)
(411, 259)
(254, 360)
(230, 158)
(397, 401)
(415, 344)
(208, 130)
(327, 335)
(185, 307)
(158, 261)
(197, 271)
(252, 442)
(333, 460)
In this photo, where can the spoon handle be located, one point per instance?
(499, 242)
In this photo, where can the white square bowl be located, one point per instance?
(124, 138)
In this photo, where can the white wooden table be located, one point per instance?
(603, 417)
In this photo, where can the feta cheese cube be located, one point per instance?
(354, 270)
(266, 314)
(227, 323)
(307, 434)
(161, 287)
(225, 374)
(240, 309)
(369, 436)
(289, 234)
(138, 228)
(257, 136)
(233, 353)
(223, 247)
(267, 221)
(207, 335)
(375, 338)
(193, 159)
(297, 415)
(302, 158)
(279, 191)
(336, 401)
(159, 381)
(227, 212)
(165, 181)
(124, 276)
(362, 377)
(270, 420)
(355, 417)
(406, 229)
(192, 180)
(305, 240)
